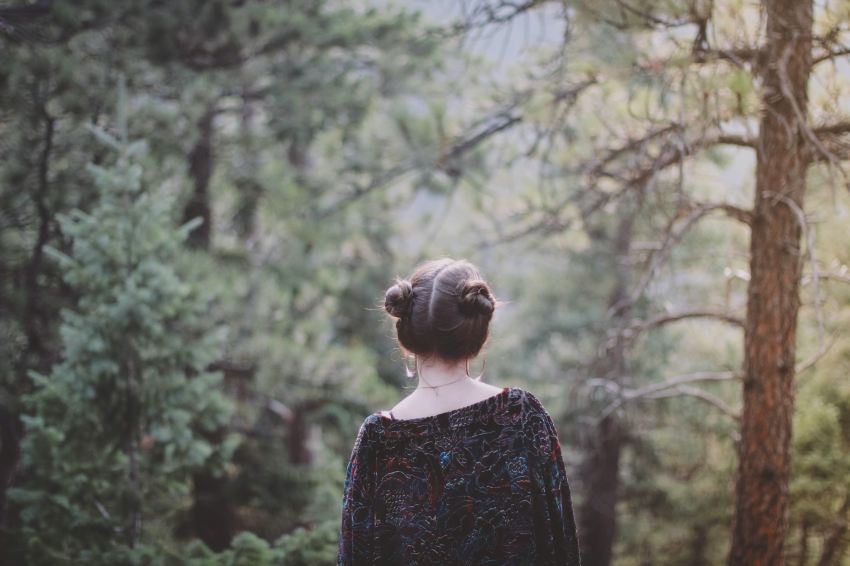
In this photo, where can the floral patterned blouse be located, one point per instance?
(481, 485)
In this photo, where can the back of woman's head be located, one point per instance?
(444, 310)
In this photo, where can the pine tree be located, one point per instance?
(113, 433)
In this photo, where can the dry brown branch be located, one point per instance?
(811, 361)
(640, 326)
(739, 56)
(841, 276)
(701, 394)
(830, 54)
(838, 128)
(484, 13)
(628, 14)
(743, 215)
(809, 236)
(549, 220)
(672, 236)
(625, 395)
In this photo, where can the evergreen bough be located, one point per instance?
(116, 429)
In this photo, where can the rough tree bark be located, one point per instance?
(761, 509)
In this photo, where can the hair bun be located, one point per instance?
(399, 298)
(475, 298)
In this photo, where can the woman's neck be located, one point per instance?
(436, 373)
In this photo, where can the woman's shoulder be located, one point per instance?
(530, 400)
(510, 400)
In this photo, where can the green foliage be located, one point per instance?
(316, 546)
(821, 448)
(116, 429)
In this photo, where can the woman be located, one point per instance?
(459, 472)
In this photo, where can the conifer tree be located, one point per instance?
(113, 432)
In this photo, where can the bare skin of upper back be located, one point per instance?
(456, 390)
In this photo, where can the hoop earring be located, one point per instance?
(407, 370)
(480, 374)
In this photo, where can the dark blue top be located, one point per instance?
(481, 485)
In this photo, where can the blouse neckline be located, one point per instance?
(452, 417)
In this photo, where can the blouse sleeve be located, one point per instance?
(355, 540)
(554, 504)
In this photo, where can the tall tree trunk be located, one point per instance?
(133, 371)
(35, 318)
(35, 321)
(10, 450)
(599, 473)
(761, 508)
(248, 187)
(201, 163)
(298, 434)
(213, 516)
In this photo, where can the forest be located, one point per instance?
(202, 203)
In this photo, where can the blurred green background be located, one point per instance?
(202, 203)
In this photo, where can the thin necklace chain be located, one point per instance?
(441, 385)
(433, 387)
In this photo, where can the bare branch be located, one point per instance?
(840, 276)
(642, 326)
(701, 394)
(631, 16)
(811, 361)
(459, 148)
(737, 56)
(730, 139)
(655, 388)
(548, 220)
(837, 128)
(833, 145)
(447, 161)
(485, 13)
(671, 237)
(694, 377)
(830, 54)
(359, 191)
(743, 215)
(810, 251)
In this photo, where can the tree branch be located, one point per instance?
(548, 220)
(811, 361)
(653, 389)
(830, 54)
(643, 326)
(738, 56)
(447, 161)
(709, 398)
